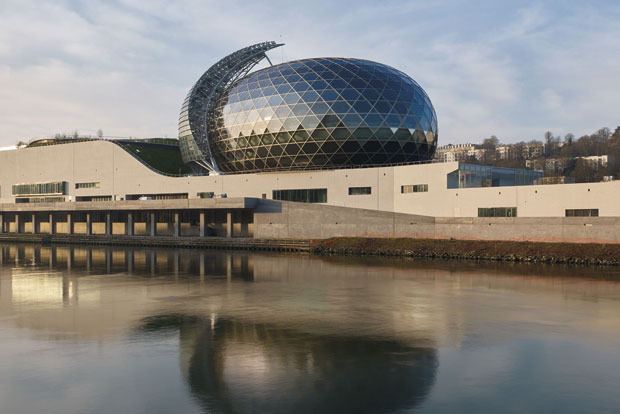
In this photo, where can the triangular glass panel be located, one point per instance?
(310, 122)
(291, 123)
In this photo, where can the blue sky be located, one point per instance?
(508, 68)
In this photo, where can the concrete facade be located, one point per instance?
(280, 220)
(120, 175)
(268, 219)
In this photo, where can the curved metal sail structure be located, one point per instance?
(199, 103)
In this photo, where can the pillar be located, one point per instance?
(177, 224)
(229, 266)
(108, 261)
(203, 227)
(89, 224)
(153, 263)
(52, 257)
(1, 223)
(129, 225)
(153, 224)
(52, 224)
(35, 224)
(202, 267)
(17, 224)
(229, 224)
(69, 224)
(70, 258)
(36, 255)
(177, 263)
(108, 224)
(89, 260)
(129, 261)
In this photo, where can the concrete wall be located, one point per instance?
(120, 174)
(312, 221)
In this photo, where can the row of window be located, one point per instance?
(512, 212)
(56, 187)
(87, 185)
(156, 196)
(40, 200)
(94, 198)
(320, 195)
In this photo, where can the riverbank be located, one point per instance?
(475, 250)
(472, 250)
(219, 243)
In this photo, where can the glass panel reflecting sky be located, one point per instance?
(328, 102)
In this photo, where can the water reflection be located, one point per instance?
(108, 260)
(234, 366)
(230, 332)
(307, 348)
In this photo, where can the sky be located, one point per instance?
(513, 69)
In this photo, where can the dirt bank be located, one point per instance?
(601, 254)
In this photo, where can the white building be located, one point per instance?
(102, 171)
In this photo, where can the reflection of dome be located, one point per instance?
(312, 113)
(247, 367)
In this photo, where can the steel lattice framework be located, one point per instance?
(200, 101)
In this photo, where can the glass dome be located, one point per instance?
(322, 113)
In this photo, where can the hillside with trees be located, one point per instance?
(559, 156)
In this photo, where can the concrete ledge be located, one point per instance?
(175, 204)
(162, 241)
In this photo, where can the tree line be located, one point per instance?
(560, 156)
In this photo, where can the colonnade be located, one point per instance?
(176, 223)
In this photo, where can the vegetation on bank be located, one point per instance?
(534, 252)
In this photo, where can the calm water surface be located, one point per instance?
(97, 330)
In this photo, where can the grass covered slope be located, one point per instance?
(608, 254)
(164, 158)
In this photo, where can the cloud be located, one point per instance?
(125, 66)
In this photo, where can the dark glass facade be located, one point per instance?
(307, 195)
(321, 113)
(472, 176)
(497, 212)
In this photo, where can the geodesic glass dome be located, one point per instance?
(318, 114)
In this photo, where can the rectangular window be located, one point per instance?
(57, 187)
(87, 185)
(311, 195)
(205, 194)
(497, 212)
(359, 190)
(40, 200)
(94, 198)
(582, 212)
(156, 196)
(415, 188)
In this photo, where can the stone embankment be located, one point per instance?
(533, 252)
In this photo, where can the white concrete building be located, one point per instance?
(102, 171)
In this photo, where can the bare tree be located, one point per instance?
(551, 143)
(490, 143)
(603, 134)
(100, 133)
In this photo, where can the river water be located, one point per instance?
(111, 330)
